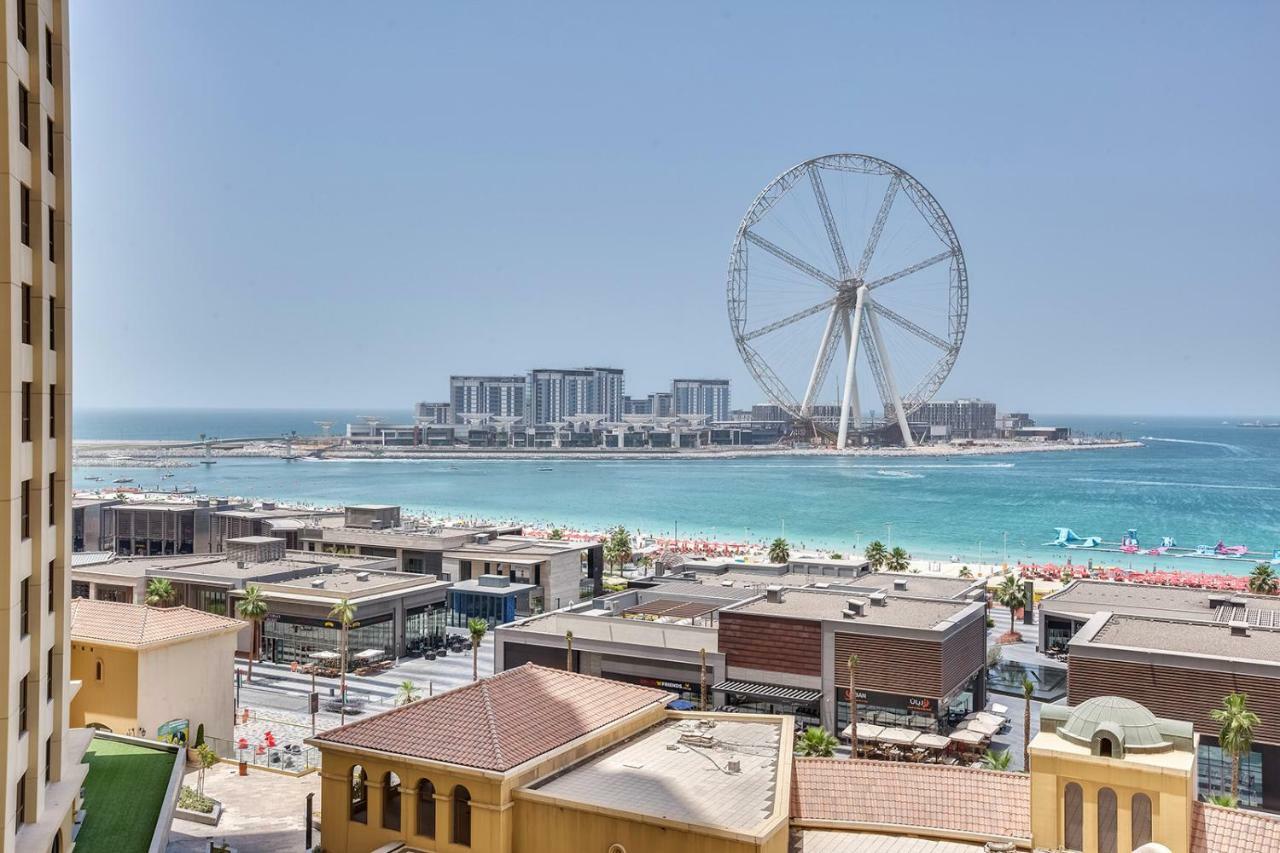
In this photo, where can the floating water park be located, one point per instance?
(1168, 547)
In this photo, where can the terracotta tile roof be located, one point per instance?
(500, 722)
(1215, 829)
(979, 803)
(137, 625)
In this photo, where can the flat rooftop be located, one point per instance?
(689, 783)
(696, 590)
(896, 612)
(358, 583)
(1194, 638)
(638, 632)
(218, 566)
(515, 548)
(475, 586)
(1086, 597)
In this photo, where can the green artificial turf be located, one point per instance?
(123, 794)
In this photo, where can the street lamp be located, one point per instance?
(888, 526)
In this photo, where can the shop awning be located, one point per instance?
(798, 695)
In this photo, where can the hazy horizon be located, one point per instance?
(328, 207)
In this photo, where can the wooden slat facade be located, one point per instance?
(963, 654)
(775, 644)
(891, 664)
(1175, 693)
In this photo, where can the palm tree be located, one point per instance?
(407, 692)
(853, 704)
(816, 743)
(877, 555)
(617, 548)
(478, 628)
(160, 592)
(1236, 735)
(1263, 581)
(1028, 687)
(568, 651)
(779, 551)
(993, 760)
(252, 607)
(835, 555)
(899, 560)
(556, 533)
(1009, 594)
(345, 612)
(966, 572)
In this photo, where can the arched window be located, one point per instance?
(1105, 747)
(1140, 820)
(1073, 817)
(97, 670)
(359, 794)
(1106, 820)
(57, 842)
(461, 832)
(426, 808)
(391, 801)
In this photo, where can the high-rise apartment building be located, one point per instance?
(499, 396)
(607, 392)
(557, 394)
(963, 418)
(709, 397)
(433, 413)
(42, 773)
(660, 404)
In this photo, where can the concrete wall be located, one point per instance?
(193, 681)
(111, 701)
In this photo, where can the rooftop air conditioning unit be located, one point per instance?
(878, 599)
(726, 583)
(482, 538)
(900, 584)
(1238, 628)
(855, 607)
(317, 583)
(362, 576)
(774, 594)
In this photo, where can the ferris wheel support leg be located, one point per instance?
(849, 402)
(814, 378)
(907, 440)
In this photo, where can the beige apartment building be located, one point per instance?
(42, 769)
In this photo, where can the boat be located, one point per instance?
(94, 479)
(546, 468)
(166, 476)
(123, 480)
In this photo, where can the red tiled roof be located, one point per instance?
(981, 803)
(1215, 829)
(137, 625)
(500, 722)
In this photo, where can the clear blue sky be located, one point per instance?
(339, 204)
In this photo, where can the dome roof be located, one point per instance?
(1136, 727)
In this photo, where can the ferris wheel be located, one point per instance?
(899, 306)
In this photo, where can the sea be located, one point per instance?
(1198, 480)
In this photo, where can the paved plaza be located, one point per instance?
(261, 812)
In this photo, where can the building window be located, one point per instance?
(461, 833)
(53, 411)
(79, 589)
(52, 244)
(24, 617)
(48, 145)
(48, 686)
(391, 802)
(25, 524)
(26, 313)
(97, 670)
(25, 214)
(359, 782)
(50, 577)
(53, 317)
(1073, 817)
(426, 809)
(48, 55)
(24, 125)
(53, 498)
(22, 704)
(26, 411)
(20, 801)
(1140, 821)
(48, 759)
(22, 22)
(1106, 820)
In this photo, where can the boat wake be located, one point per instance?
(899, 475)
(1177, 485)
(1234, 448)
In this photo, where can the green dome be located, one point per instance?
(1128, 725)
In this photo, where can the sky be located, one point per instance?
(307, 204)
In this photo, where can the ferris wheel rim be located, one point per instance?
(930, 211)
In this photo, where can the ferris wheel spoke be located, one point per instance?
(822, 361)
(783, 255)
(914, 268)
(787, 321)
(833, 234)
(916, 329)
(877, 227)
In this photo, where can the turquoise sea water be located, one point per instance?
(1196, 480)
